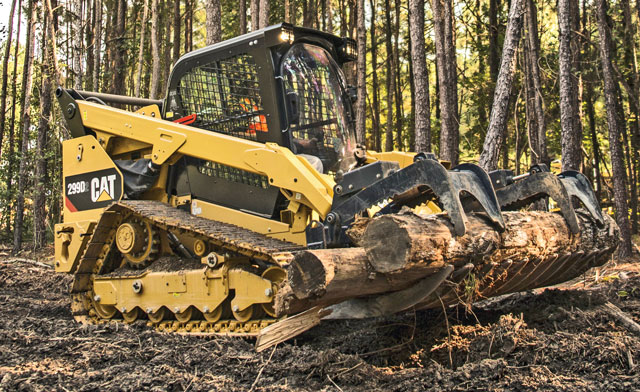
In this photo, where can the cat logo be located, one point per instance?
(102, 188)
(92, 190)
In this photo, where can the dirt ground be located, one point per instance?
(560, 339)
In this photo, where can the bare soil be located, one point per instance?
(559, 339)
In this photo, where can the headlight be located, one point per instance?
(286, 35)
(349, 49)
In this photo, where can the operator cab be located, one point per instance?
(281, 84)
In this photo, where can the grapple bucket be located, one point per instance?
(424, 178)
(520, 191)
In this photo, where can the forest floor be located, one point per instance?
(559, 339)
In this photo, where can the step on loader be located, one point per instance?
(187, 212)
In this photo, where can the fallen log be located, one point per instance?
(398, 250)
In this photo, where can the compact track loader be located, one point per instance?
(188, 212)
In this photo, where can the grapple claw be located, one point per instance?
(429, 176)
(475, 181)
(577, 185)
(538, 184)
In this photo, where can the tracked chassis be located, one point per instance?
(108, 287)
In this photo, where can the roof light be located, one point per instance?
(349, 49)
(286, 35)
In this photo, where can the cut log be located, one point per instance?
(398, 250)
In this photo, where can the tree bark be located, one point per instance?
(255, 11)
(263, 19)
(77, 44)
(97, 47)
(569, 114)
(447, 80)
(375, 93)
(425, 245)
(420, 77)
(5, 73)
(120, 49)
(214, 21)
(242, 11)
(141, 49)
(361, 76)
(177, 34)
(27, 80)
(611, 89)
(8, 175)
(155, 52)
(39, 210)
(500, 107)
(539, 149)
(399, 123)
(633, 81)
(389, 78)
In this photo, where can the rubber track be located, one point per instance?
(223, 235)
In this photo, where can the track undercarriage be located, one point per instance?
(149, 261)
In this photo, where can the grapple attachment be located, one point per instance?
(515, 192)
(577, 185)
(425, 177)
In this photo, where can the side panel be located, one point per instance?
(91, 183)
(91, 180)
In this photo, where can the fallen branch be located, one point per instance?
(621, 316)
(28, 261)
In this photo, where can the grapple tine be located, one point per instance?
(577, 185)
(536, 186)
(475, 181)
(429, 173)
(386, 304)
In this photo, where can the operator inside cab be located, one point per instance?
(322, 133)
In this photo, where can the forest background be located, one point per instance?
(507, 84)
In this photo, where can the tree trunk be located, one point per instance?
(39, 203)
(500, 107)
(263, 20)
(420, 77)
(494, 55)
(120, 49)
(447, 80)
(242, 11)
(5, 73)
(389, 78)
(27, 80)
(398, 82)
(155, 52)
(255, 11)
(8, 175)
(375, 105)
(188, 26)
(569, 115)
(214, 21)
(532, 244)
(611, 89)
(361, 77)
(633, 81)
(177, 34)
(97, 46)
(142, 47)
(539, 150)
(77, 44)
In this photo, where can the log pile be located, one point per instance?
(396, 253)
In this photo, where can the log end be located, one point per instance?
(386, 243)
(307, 276)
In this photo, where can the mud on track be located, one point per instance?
(549, 340)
